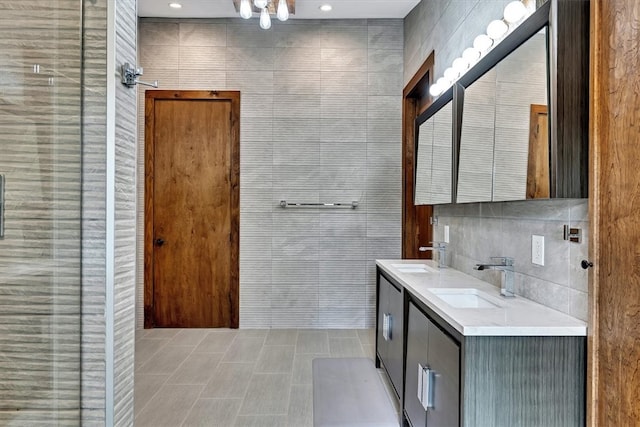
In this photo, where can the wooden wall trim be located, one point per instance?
(614, 191)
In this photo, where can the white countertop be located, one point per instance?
(514, 317)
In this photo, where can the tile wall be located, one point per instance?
(320, 122)
(97, 253)
(480, 230)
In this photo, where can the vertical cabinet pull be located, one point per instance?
(387, 324)
(425, 386)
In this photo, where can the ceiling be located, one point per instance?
(305, 9)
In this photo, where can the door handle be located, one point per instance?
(159, 242)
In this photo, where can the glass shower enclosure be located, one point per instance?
(40, 169)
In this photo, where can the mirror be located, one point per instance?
(504, 137)
(434, 155)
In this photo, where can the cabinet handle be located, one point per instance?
(425, 387)
(387, 322)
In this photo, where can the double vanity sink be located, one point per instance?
(460, 354)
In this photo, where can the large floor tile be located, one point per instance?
(268, 394)
(147, 348)
(169, 407)
(342, 333)
(197, 368)
(345, 347)
(312, 342)
(189, 337)
(166, 360)
(145, 387)
(261, 421)
(229, 381)
(161, 333)
(282, 337)
(301, 406)
(217, 341)
(302, 367)
(244, 349)
(275, 359)
(213, 412)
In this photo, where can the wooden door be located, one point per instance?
(417, 230)
(191, 209)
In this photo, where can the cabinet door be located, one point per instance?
(383, 305)
(443, 355)
(394, 349)
(417, 342)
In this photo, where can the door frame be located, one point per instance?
(415, 99)
(149, 158)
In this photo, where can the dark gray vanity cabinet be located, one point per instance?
(432, 376)
(389, 331)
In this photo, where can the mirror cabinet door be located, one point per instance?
(434, 160)
(424, 162)
(441, 166)
(504, 139)
(521, 133)
(475, 174)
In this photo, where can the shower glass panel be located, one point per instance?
(40, 160)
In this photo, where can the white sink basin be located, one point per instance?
(466, 298)
(414, 268)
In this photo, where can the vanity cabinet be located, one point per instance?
(432, 377)
(389, 331)
(488, 379)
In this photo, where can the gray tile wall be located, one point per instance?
(40, 146)
(125, 219)
(320, 122)
(481, 230)
(94, 189)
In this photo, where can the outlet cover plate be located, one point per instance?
(537, 249)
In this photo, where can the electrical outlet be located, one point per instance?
(446, 234)
(537, 249)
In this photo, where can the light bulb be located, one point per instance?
(265, 19)
(283, 10)
(443, 83)
(471, 54)
(260, 4)
(451, 74)
(435, 90)
(245, 9)
(496, 29)
(483, 42)
(460, 65)
(514, 12)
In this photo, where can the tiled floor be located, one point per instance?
(242, 377)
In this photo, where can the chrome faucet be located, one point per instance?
(504, 264)
(441, 249)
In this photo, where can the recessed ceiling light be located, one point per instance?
(326, 7)
(175, 5)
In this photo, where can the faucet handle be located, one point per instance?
(503, 260)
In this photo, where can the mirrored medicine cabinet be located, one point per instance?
(518, 119)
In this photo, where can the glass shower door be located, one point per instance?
(40, 161)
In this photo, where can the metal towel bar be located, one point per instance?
(352, 205)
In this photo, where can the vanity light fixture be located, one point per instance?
(265, 19)
(282, 9)
(497, 29)
(326, 8)
(514, 13)
(483, 42)
(175, 5)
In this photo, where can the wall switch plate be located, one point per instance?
(446, 234)
(537, 249)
